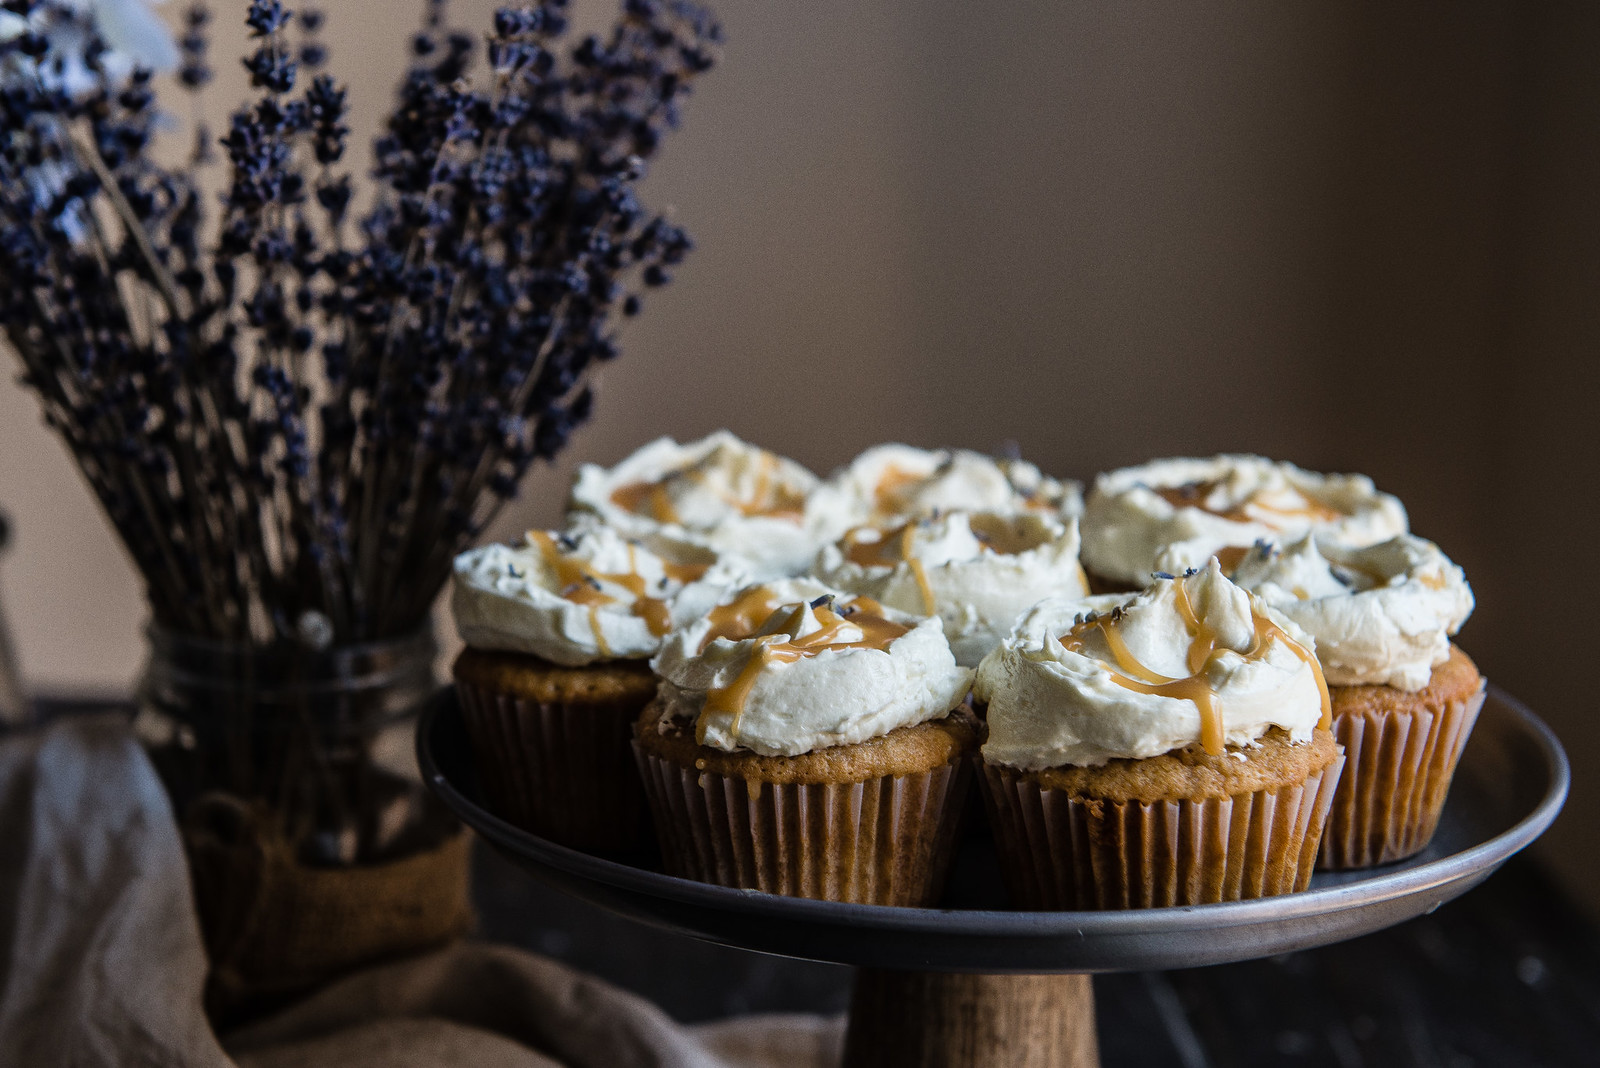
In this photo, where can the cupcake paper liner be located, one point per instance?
(1397, 772)
(561, 771)
(885, 841)
(1061, 852)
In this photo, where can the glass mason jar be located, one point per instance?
(312, 844)
(322, 738)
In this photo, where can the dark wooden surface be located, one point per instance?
(1508, 975)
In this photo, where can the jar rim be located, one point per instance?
(180, 671)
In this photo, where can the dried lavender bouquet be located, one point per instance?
(294, 412)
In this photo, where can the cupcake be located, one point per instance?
(1404, 698)
(1188, 510)
(977, 571)
(558, 635)
(719, 493)
(891, 483)
(809, 743)
(1165, 748)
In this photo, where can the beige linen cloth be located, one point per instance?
(101, 962)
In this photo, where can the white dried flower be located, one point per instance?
(134, 36)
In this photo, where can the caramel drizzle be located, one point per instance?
(1230, 557)
(599, 635)
(889, 496)
(579, 583)
(684, 573)
(1194, 495)
(647, 499)
(861, 612)
(994, 533)
(1377, 579)
(877, 553)
(999, 535)
(768, 498)
(742, 616)
(1203, 651)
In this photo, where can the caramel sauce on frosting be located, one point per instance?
(739, 501)
(978, 571)
(1195, 495)
(887, 549)
(861, 619)
(742, 616)
(1204, 648)
(795, 665)
(1231, 557)
(769, 497)
(1380, 615)
(1001, 535)
(684, 573)
(868, 546)
(890, 483)
(891, 496)
(583, 594)
(580, 584)
(646, 499)
(1170, 515)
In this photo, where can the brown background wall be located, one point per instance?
(1358, 236)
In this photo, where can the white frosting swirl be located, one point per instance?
(1382, 615)
(778, 671)
(896, 482)
(719, 492)
(582, 596)
(978, 572)
(1059, 692)
(1194, 508)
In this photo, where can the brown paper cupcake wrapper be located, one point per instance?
(562, 771)
(1397, 773)
(886, 841)
(1061, 852)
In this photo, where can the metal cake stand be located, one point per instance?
(975, 982)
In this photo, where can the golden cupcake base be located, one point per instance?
(552, 746)
(1401, 752)
(883, 836)
(1061, 850)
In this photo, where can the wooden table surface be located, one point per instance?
(1506, 976)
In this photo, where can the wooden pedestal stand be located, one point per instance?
(944, 1020)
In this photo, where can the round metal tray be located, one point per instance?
(1510, 785)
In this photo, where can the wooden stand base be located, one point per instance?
(939, 1020)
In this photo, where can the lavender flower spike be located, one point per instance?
(284, 409)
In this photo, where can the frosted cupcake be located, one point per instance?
(1168, 748)
(559, 632)
(1180, 513)
(1404, 698)
(977, 571)
(808, 743)
(719, 492)
(891, 483)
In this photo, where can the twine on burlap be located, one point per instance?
(275, 926)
